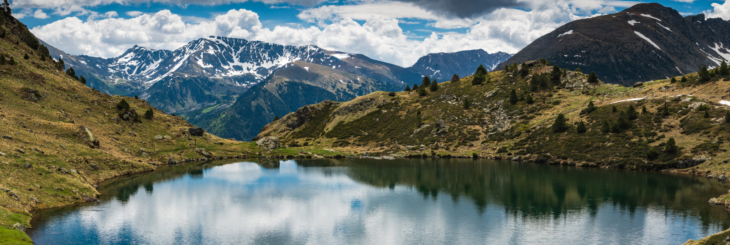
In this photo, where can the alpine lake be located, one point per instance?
(404, 201)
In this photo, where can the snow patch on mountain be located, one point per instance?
(649, 16)
(566, 33)
(633, 22)
(647, 39)
(664, 27)
(341, 56)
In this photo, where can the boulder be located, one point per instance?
(19, 227)
(268, 143)
(722, 178)
(196, 131)
(203, 152)
(7, 137)
(638, 84)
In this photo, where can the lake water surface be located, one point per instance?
(390, 202)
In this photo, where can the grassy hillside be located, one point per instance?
(60, 138)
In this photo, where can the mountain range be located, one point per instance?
(218, 82)
(641, 43)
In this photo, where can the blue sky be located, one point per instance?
(396, 31)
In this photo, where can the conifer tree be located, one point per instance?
(426, 81)
(529, 99)
(555, 74)
(434, 86)
(592, 78)
(581, 127)
(71, 72)
(605, 128)
(26, 56)
(422, 91)
(454, 78)
(614, 109)
(643, 110)
(631, 113)
(467, 103)
(665, 110)
(60, 65)
(674, 80)
(707, 114)
(559, 124)
(415, 87)
(408, 89)
(11, 61)
(578, 70)
(590, 108)
(671, 146)
(149, 114)
(482, 70)
(276, 118)
(82, 80)
(703, 74)
(136, 97)
(683, 80)
(723, 69)
(727, 116)
(513, 97)
(652, 154)
(2, 59)
(123, 105)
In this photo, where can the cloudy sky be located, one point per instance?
(395, 31)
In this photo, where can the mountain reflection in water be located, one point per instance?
(363, 201)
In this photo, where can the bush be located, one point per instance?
(581, 127)
(707, 114)
(72, 73)
(415, 87)
(149, 114)
(559, 124)
(727, 117)
(631, 113)
(643, 110)
(683, 80)
(123, 105)
(467, 103)
(529, 99)
(422, 92)
(674, 80)
(590, 108)
(29, 39)
(614, 109)
(26, 56)
(652, 154)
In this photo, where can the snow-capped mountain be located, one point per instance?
(442, 66)
(244, 62)
(641, 43)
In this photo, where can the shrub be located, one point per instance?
(422, 92)
(26, 56)
(671, 146)
(559, 124)
(467, 103)
(665, 110)
(683, 80)
(123, 105)
(2, 59)
(149, 114)
(674, 80)
(578, 70)
(592, 78)
(727, 117)
(707, 114)
(529, 99)
(614, 109)
(590, 108)
(643, 110)
(652, 154)
(513, 97)
(631, 113)
(581, 127)
(11, 61)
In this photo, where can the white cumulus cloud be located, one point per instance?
(719, 11)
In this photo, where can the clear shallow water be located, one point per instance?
(390, 202)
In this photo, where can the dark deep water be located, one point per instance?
(390, 202)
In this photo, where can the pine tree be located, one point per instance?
(683, 80)
(529, 99)
(674, 80)
(11, 61)
(707, 114)
(727, 117)
(723, 69)
(434, 86)
(82, 80)
(454, 78)
(616, 127)
(652, 154)
(43, 58)
(631, 113)
(26, 56)
(605, 128)
(135, 97)
(643, 110)
(467, 103)
(556, 74)
(590, 108)
(71, 72)
(422, 91)
(426, 81)
(614, 109)
(2, 59)
(592, 78)
(482, 70)
(578, 70)
(60, 65)
(581, 127)
(479, 76)
(703, 74)
(415, 87)
(671, 146)
(149, 114)
(665, 110)
(623, 121)
(408, 89)
(513, 97)
(276, 118)
(559, 124)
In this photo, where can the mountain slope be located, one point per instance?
(297, 85)
(442, 66)
(61, 138)
(641, 43)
